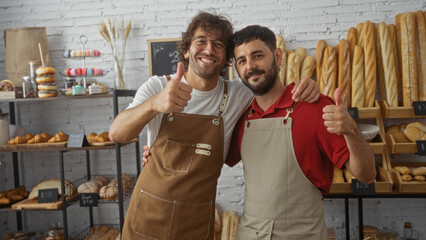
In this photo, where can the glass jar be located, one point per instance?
(409, 233)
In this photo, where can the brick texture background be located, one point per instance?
(301, 22)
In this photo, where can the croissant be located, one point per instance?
(103, 137)
(91, 137)
(59, 137)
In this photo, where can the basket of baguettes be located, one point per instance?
(391, 56)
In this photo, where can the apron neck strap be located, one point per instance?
(288, 110)
(222, 105)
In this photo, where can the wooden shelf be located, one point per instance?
(397, 112)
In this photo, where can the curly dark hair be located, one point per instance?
(254, 32)
(208, 22)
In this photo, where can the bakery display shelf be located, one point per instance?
(104, 73)
(383, 184)
(62, 94)
(378, 145)
(397, 112)
(58, 98)
(369, 112)
(410, 186)
(395, 147)
(82, 235)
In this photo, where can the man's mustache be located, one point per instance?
(253, 72)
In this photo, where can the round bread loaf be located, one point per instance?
(88, 187)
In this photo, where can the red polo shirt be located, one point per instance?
(317, 150)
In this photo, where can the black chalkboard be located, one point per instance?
(360, 188)
(353, 111)
(89, 199)
(163, 56)
(419, 108)
(421, 148)
(48, 195)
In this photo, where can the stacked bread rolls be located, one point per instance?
(411, 173)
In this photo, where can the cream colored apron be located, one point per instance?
(174, 197)
(280, 202)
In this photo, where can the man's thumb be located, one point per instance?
(180, 71)
(338, 96)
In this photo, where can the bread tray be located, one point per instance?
(100, 144)
(411, 186)
(395, 147)
(33, 204)
(397, 112)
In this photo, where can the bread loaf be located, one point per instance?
(406, 178)
(301, 52)
(348, 175)
(403, 170)
(394, 47)
(308, 67)
(406, 23)
(421, 58)
(329, 72)
(217, 222)
(415, 131)
(400, 137)
(108, 192)
(89, 187)
(419, 171)
(320, 57)
(419, 178)
(103, 179)
(293, 68)
(380, 71)
(352, 39)
(338, 176)
(388, 59)
(70, 189)
(281, 45)
(360, 35)
(357, 98)
(91, 137)
(344, 77)
(368, 31)
(103, 137)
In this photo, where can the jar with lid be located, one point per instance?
(55, 233)
(409, 233)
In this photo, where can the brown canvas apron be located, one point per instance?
(280, 202)
(174, 197)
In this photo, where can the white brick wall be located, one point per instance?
(302, 23)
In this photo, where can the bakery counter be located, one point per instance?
(85, 96)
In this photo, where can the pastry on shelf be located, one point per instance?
(81, 53)
(78, 90)
(59, 137)
(46, 85)
(40, 138)
(97, 88)
(20, 139)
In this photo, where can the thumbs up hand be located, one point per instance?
(337, 118)
(175, 96)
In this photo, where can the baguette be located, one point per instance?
(329, 72)
(360, 34)
(320, 57)
(421, 59)
(370, 73)
(293, 68)
(358, 84)
(338, 176)
(388, 58)
(412, 54)
(344, 80)
(301, 52)
(352, 39)
(394, 47)
(225, 226)
(380, 70)
(308, 67)
(281, 45)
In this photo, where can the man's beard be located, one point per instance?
(267, 84)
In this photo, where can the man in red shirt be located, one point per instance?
(288, 149)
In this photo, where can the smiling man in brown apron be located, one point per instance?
(288, 149)
(190, 118)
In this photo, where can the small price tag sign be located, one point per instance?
(360, 188)
(421, 148)
(89, 199)
(419, 108)
(353, 111)
(77, 140)
(48, 195)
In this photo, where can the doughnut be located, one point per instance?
(45, 78)
(45, 71)
(47, 93)
(47, 86)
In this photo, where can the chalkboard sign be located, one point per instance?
(353, 111)
(421, 148)
(48, 195)
(419, 108)
(360, 188)
(89, 199)
(77, 140)
(163, 56)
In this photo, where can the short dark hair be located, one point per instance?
(208, 22)
(254, 32)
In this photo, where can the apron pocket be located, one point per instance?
(152, 216)
(192, 220)
(255, 228)
(178, 156)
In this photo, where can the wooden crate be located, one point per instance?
(395, 147)
(397, 112)
(378, 145)
(369, 112)
(407, 187)
(383, 184)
